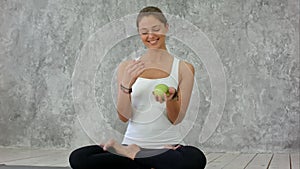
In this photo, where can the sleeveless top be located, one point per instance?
(149, 126)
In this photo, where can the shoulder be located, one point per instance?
(186, 67)
(123, 65)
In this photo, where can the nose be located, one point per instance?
(151, 35)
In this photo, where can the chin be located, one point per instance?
(156, 46)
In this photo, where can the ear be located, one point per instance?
(167, 27)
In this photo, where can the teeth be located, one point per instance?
(153, 41)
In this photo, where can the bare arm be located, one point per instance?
(176, 109)
(123, 102)
(128, 72)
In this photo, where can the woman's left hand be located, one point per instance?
(165, 97)
(171, 147)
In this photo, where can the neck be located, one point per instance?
(156, 55)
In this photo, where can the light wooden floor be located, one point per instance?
(10, 156)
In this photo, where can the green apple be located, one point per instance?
(160, 90)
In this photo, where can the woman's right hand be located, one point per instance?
(131, 72)
(128, 72)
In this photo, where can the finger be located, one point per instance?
(168, 146)
(162, 99)
(171, 147)
(165, 97)
(172, 90)
(138, 63)
(170, 96)
(140, 70)
(157, 98)
(104, 148)
(131, 64)
(133, 69)
(177, 147)
(140, 67)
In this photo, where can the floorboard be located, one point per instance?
(295, 161)
(213, 156)
(261, 161)
(59, 158)
(241, 161)
(222, 161)
(280, 161)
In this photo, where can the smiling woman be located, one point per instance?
(152, 26)
(152, 138)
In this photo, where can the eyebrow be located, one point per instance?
(147, 28)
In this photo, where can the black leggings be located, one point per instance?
(94, 157)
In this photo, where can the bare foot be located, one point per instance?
(129, 151)
(132, 150)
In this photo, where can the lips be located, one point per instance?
(153, 42)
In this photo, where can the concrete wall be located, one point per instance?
(58, 61)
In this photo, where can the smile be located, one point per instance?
(153, 42)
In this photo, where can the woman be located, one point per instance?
(152, 139)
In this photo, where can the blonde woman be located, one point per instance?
(151, 139)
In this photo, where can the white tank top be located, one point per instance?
(149, 126)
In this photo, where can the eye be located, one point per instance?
(156, 30)
(143, 32)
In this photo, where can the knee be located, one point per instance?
(197, 159)
(75, 160)
(202, 159)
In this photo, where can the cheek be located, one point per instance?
(160, 34)
(143, 37)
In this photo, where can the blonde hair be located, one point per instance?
(153, 11)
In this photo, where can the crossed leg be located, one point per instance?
(129, 151)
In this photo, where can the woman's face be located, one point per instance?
(153, 32)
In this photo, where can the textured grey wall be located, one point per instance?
(46, 72)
